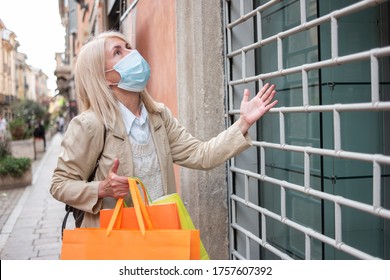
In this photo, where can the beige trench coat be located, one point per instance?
(84, 141)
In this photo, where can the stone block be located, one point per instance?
(23, 148)
(12, 182)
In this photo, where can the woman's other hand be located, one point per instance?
(114, 185)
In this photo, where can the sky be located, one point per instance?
(38, 29)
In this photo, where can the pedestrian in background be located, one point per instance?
(40, 132)
(61, 124)
(3, 128)
(129, 134)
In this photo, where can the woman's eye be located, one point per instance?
(128, 46)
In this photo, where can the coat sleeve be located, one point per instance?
(191, 152)
(80, 150)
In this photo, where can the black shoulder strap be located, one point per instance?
(97, 162)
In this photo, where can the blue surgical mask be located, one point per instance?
(134, 72)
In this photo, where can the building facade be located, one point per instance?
(314, 185)
(18, 80)
(8, 48)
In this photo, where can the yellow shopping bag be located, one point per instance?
(184, 216)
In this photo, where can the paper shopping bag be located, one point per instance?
(162, 216)
(185, 219)
(126, 244)
(145, 243)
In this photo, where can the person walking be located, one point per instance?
(40, 132)
(3, 128)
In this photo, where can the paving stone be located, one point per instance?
(22, 254)
(40, 241)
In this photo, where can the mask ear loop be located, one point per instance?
(112, 84)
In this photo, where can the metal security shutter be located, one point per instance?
(315, 184)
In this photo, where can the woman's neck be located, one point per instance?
(131, 100)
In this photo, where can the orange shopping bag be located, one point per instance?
(145, 243)
(163, 216)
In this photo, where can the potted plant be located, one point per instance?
(22, 142)
(25, 115)
(19, 129)
(14, 172)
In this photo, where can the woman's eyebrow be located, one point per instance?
(116, 47)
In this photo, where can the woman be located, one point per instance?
(129, 134)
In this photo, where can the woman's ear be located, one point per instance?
(112, 78)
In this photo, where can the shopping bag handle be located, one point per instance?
(139, 207)
(133, 181)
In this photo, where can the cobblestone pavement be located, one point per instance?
(9, 197)
(30, 217)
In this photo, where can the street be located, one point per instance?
(31, 218)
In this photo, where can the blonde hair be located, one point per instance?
(92, 90)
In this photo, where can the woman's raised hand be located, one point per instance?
(252, 110)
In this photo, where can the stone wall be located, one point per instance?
(201, 101)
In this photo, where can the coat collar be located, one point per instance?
(155, 122)
(119, 131)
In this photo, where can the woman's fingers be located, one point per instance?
(266, 92)
(270, 106)
(115, 165)
(270, 96)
